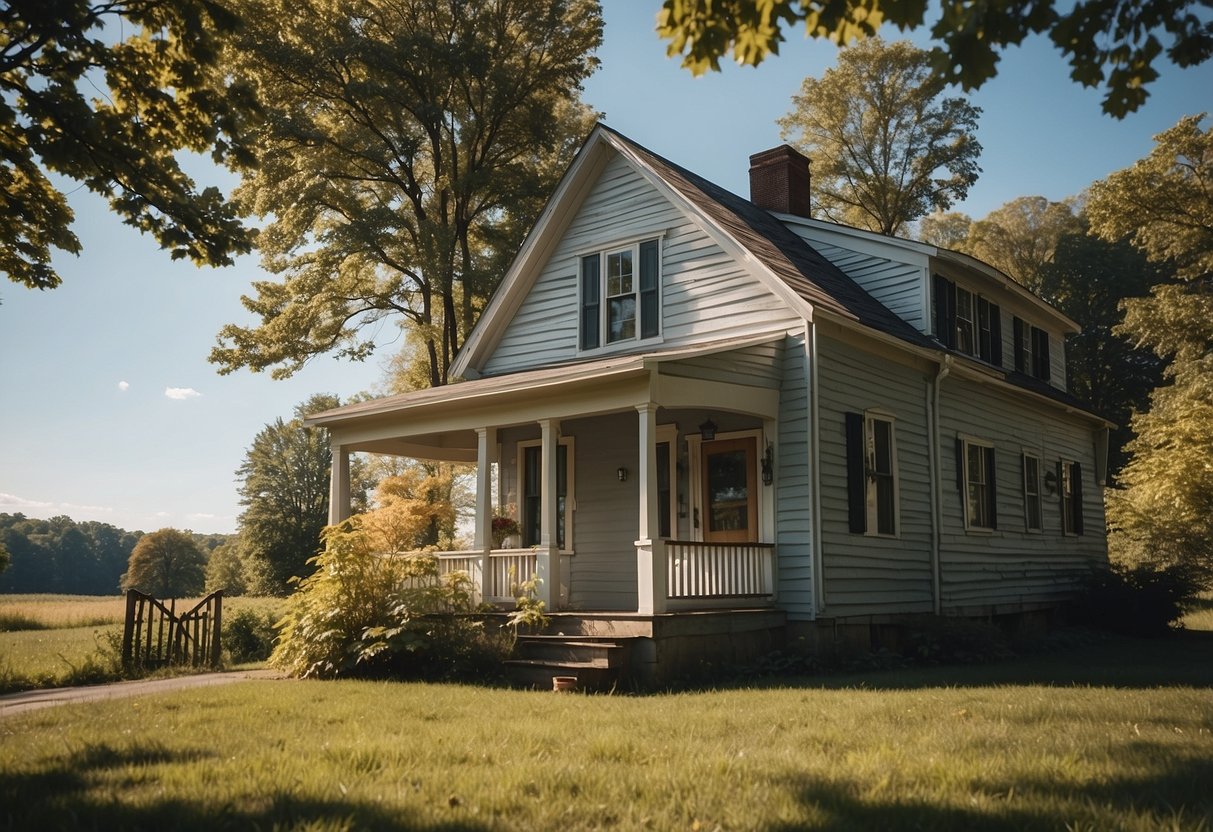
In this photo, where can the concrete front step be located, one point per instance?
(597, 663)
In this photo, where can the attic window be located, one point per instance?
(966, 322)
(620, 295)
(1032, 350)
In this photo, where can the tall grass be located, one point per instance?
(1030, 744)
(54, 611)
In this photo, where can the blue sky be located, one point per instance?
(111, 411)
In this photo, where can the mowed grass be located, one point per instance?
(1200, 614)
(55, 640)
(1117, 734)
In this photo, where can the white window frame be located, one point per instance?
(966, 442)
(971, 320)
(603, 252)
(1066, 500)
(1029, 494)
(570, 497)
(871, 501)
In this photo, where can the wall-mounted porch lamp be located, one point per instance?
(707, 431)
(768, 465)
(1051, 481)
(622, 473)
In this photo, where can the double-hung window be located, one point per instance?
(966, 322)
(1031, 350)
(620, 295)
(1069, 476)
(872, 473)
(1032, 515)
(530, 458)
(978, 486)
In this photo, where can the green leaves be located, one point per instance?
(407, 149)
(1113, 43)
(885, 149)
(112, 116)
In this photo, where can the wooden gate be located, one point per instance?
(155, 636)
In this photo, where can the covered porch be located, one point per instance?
(641, 484)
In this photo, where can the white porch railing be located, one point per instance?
(703, 571)
(500, 585)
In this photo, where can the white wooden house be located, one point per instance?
(697, 402)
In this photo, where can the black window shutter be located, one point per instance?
(1061, 496)
(857, 507)
(992, 487)
(945, 311)
(590, 300)
(960, 465)
(1040, 354)
(995, 335)
(650, 301)
(1018, 327)
(1077, 498)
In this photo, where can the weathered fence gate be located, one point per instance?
(156, 636)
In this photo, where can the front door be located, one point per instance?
(730, 494)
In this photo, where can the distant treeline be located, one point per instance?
(62, 556)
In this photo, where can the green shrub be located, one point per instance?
(954, 641)
(248, 636)
(365, 614)
(1137, 600)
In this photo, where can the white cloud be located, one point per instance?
(13, 501)
(181, 393)
(123, 386)
(201, 515)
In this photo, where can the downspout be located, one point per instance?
(811, 364)
(945, 367)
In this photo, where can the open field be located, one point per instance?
(55, 640)
(1115, 734)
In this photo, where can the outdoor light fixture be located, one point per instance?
(708, 430)
(1051, 481)
(768, 465)
(622, 473)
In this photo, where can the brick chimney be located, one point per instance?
(779, 180)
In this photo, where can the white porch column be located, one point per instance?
(486, 453)
(339, 486)
(547, 564)
(650, 549)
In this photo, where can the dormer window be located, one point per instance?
(967, 322)
(620, 295)
(1032, 350)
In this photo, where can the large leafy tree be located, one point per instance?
(166, 564)
(106, 93)
(1164, 205)
(886, 149)
(408, 146)
(1089, 279)
(285, 493)
(1021, 237)
(1112, 44)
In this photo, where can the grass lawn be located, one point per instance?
(1109, 734)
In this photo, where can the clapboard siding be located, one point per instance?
(1011, 565)
(602, 570)
(865, 574)
(793, 504)
(896, 283)
(757, 366)
(706, 294)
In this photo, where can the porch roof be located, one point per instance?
(444, 419)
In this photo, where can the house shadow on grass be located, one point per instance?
(66, 797)
(1180, 659)
(1169, 794)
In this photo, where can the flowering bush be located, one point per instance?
(503, 527)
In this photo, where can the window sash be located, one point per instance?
(965, 322)
(979, 490)
(881, 488)
(1032, 506)
(532, 491)
(620, 295)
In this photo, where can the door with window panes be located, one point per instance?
(730, 496)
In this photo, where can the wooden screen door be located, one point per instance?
(730, 493)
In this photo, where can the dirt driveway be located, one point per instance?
(32, 700)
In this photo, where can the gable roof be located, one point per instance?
(794, 269)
